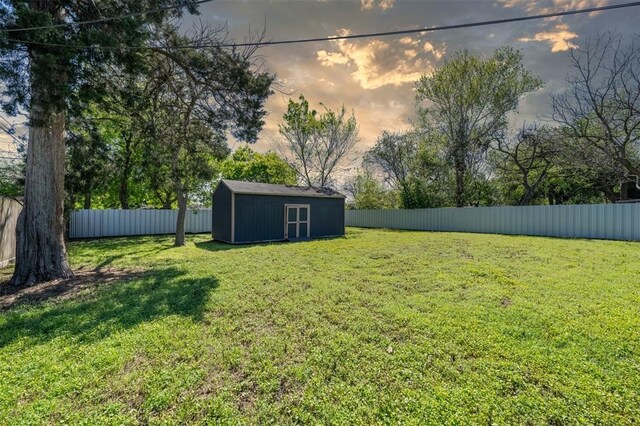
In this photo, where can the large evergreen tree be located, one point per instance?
(44, 66)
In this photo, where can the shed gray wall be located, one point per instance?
(9, 211)
(604, 221)
(261, 217)
(221, 214)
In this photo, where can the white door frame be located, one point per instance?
(297, 222)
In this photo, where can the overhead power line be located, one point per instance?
(107, 19)
(354, 36)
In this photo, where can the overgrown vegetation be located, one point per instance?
(464, 149)
(378, 327)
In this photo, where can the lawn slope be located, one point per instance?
(377, 327)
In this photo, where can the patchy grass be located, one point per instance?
(377, 327)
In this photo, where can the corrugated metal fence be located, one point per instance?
(9, 211)
(113, 223)
(606, 221)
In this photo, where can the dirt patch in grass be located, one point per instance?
(62, 289)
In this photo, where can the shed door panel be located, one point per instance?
(297, 223)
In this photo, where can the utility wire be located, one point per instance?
(11, 125)
(16, 141)
(353, 36)
(19, 140)
(107, 19)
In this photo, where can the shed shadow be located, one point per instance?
(123, 304)
(213, 245)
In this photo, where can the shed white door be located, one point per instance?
(297, 223)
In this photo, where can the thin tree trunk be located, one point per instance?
(182, 214)
(461, 171)
(87, 199)
(610, 194)
(526, 198)
(41, 254)
(124, 179)
(624, 191)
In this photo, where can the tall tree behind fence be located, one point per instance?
(605, 221)
(114, 223)
(9, 211)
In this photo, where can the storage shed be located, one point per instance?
(249, 212)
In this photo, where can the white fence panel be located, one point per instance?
(604, 221)
(114, 223)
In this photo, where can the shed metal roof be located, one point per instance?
(255, 188)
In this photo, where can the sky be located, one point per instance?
(375, 77)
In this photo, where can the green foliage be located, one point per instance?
(247, 165)
(316, 144)
(467, 101)
(369, 193)
(10, 186)
(380, 327)
(412, 163)
(54, 78)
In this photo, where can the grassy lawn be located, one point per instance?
(377, 327)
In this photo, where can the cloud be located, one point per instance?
(329, 59)
(409, 41)
(438, 53)
(548, 6)
(378, 63)
(559, 38)
(381, 4)
(367, 4)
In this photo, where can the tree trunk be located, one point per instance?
(40, 250)
(610, 194)
(461, 171)
(624, 191)
(87, 199)
(182, 214)
(124, 179)
(41, 254)
(87, 193)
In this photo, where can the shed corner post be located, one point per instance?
(233, 217)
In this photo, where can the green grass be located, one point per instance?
(378, 327)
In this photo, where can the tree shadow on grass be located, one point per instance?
(131, 247)
(119, 306)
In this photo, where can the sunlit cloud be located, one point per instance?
(381, 4)
(378, 63)
(559, 38)
(548, 6)
(438, 53)
(386, 4)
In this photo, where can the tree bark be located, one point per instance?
(41, 254)
(624, 191)
(182, 214)
(87, 199)
(610, 194)
(124, 179)
(461, 171)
